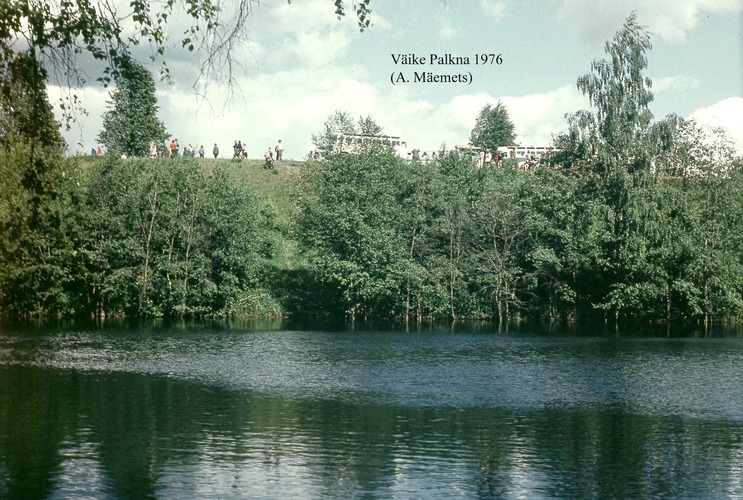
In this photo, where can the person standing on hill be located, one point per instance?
(279, 151)
(215, 151)
(201, 151)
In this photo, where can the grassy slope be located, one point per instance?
(280, 189)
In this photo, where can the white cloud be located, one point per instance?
(317, 49)
(675, 83)
(447, 29)
(495, 9)
(294, 80)
(287, 82)
(727, 114)
(668, 19)
(81, 136)
(290, 105)
(275, 106)
(537, 117)
(309, 34)
(316, 40)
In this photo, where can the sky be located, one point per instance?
(298, 64)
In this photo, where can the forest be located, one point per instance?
(630, 219)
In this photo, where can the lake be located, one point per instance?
(262, 410)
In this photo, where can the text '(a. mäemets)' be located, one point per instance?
(434, 59)
(430, 77)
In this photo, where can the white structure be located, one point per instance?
(524, 153)
(350, 143)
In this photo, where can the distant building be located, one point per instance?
(350, 143)
(523, 154)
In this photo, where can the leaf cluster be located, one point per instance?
(493, 128)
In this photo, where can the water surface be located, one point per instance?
(236, 412)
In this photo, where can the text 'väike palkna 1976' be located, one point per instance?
(435, 59)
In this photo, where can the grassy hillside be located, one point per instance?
(279, 187)
(280, 190)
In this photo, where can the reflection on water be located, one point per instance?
(230, 412)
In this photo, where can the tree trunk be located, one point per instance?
(148, 231)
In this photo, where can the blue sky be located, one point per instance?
(298, 64)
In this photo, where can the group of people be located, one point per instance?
(239, 149)
(486, 157)
(416, 155)
(268, 156)
(173, 149)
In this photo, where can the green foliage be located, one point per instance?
(649, 241)
(350, 228)
(32, 249)
(614, 139)
(163, 239)
(392, 237)
(131, 122)
(615, 146)
(367, 126)
(527, 246)
(493, 128)
(341, 122)
(146, 238)
(619, 91)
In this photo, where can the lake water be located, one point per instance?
(217, 411)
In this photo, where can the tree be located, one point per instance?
(165, 238)
(367, 126)
(549, 254)
(453, 226)
(621, 95)
(342, 123)
(493, 128)
(500, 236)
(26, 117)
(350, 229)
(31, 168)
(131, 122)
(616, 142)
(687, 149)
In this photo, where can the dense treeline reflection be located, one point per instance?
(579, 418)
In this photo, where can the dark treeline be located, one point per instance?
(630, 219)
(141, 238)
(448, 240)
(377, 236)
